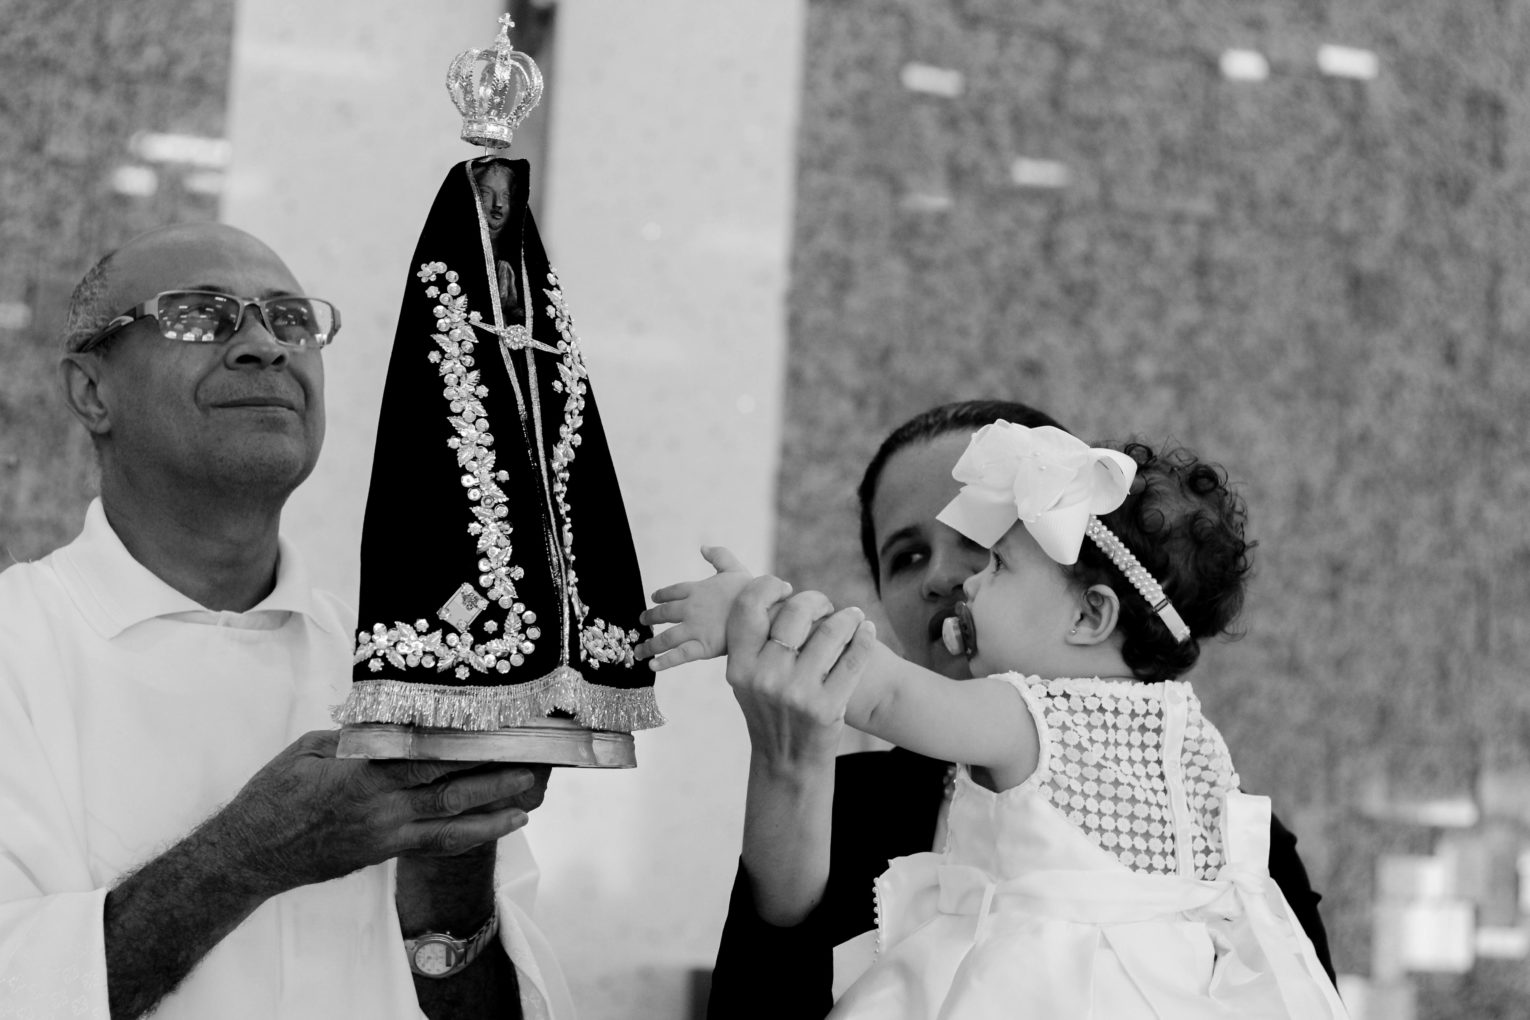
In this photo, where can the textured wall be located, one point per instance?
(77, 79)
(1317, 281)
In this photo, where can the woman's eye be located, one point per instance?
(905, 559)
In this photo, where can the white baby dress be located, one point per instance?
(1126, 878)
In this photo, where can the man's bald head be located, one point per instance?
(243, 416)
(136, 271)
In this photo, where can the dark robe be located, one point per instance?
(499, 583)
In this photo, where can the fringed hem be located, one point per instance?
(494, 708)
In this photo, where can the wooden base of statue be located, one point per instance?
(549, 742)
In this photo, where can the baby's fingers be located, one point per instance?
(674, 592)
(722, 559)
(663, 641)
(665, 612)
(688, 651)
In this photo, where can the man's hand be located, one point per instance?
(699, 612)
(308, 816)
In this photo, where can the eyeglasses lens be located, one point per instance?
(196, 316)
(301, 322)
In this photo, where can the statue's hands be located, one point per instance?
(699, 612)
(308, 816)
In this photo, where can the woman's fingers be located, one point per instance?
(828, 640)
(847, 669)
(795, 620)
(749, 621)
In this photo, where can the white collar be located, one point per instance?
(114, 591)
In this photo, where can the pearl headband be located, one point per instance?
(1138, 575)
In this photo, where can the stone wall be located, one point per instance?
(1315, 280)
(78, 79)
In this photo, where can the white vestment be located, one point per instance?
(128, 715)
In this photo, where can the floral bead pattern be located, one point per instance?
(404, 645)
(413, 645)
(599, 642)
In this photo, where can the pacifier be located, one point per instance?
(958, 633)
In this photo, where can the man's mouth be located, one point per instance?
(275, 402)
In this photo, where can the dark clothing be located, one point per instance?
(885, 806)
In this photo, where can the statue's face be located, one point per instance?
(494, 196)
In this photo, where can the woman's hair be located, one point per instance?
(1185, 525)
(965, 416)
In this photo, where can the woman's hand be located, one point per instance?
(793, 667)
(699, 612)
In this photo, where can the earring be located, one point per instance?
(1073, 630)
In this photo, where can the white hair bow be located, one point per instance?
(1051, 481)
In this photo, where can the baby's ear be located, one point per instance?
(1095, 616)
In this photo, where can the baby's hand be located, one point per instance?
(699, 612)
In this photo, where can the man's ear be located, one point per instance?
(81, 377)
(1096, 616)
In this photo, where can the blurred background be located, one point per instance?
(1291, 234)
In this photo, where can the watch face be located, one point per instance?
(432, 957)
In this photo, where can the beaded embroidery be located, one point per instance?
(599, 642)
(1105, 772)
(402, 644)
(414, 645)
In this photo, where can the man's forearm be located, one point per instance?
(162, 919)
(456, 895)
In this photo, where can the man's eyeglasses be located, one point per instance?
(208, 317)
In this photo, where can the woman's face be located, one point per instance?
(920, 562)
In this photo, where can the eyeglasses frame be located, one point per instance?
(150, 309)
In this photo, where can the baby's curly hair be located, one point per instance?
(1185, 525)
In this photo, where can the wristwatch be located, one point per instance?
(437, 955)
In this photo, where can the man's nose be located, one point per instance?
(253, 345)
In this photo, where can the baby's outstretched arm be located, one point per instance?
(699, 612)
(981, 721)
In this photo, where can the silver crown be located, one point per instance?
(497, 96)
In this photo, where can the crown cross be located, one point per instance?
(494, 89)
